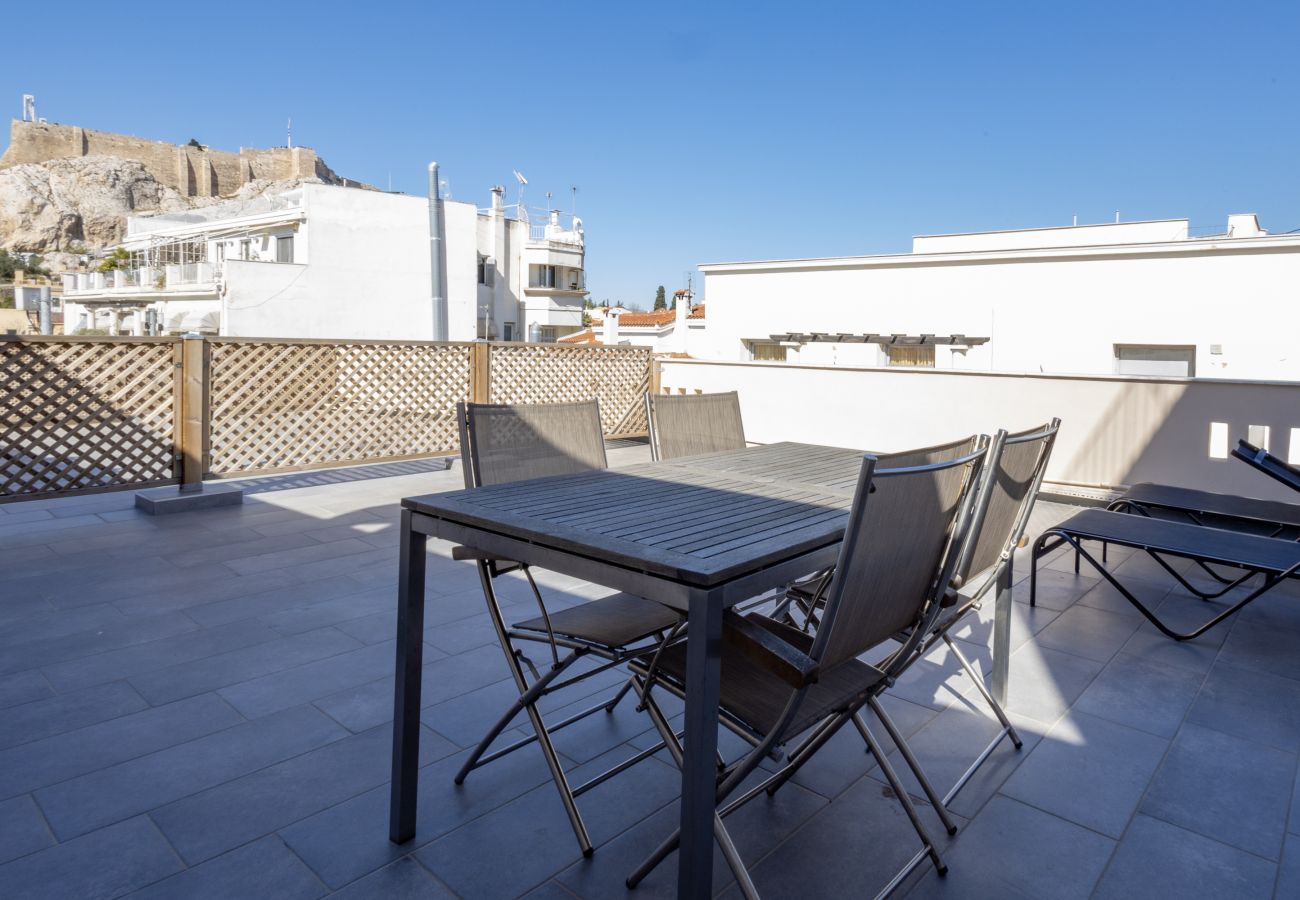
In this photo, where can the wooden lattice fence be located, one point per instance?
(556, 373)
(297, 404)
(94, 413)
(83, 413)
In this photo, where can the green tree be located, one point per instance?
(660, 301)
(11, 262)
(118, 259)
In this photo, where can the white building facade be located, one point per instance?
(322, 261)
(1128, 298)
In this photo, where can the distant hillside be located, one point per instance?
(65, 189)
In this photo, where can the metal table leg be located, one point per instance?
(1002, 634)
(699, 769)
(406, 687)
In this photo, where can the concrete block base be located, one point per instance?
(162, 500)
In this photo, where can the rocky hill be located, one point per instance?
(72, 205)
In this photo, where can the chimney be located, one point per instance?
(610, 331)
(683, 299)
(498, 198)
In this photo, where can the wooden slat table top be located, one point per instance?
(699, 520)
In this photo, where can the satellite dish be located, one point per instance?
(519, 177)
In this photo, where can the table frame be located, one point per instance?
(704, 608)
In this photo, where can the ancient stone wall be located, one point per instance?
(192, 171)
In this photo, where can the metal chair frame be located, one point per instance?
(731, 775)
(548, 682)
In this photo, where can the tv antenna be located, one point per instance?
(288, 132)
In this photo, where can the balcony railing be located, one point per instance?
(139, 280)
(81, 414)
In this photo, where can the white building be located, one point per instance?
(1132, 297)
(678, 331)
(333, 262)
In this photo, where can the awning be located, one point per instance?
(914, 340)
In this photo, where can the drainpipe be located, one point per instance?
(436, 256)
(47, 318)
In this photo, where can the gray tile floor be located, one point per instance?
(199, 705)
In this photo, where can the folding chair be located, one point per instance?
(502, 443)
(1004, 502)
(690, 424)
(805, 594)
(1273, 558)
(897, 559)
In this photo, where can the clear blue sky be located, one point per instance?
(746, 131)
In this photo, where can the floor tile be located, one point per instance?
(51, 760)
(104, 864)
(265, 868)
(91, 801)
(22, 829)
(66, 712)
(1089, 771)
(1156, 859)
(1014, 850)
(1088, 632)
(1234, 791)
(1253, 705)
(1141, 693)
(404, 879)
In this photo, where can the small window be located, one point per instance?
(284, 248)
(917, 355)
(542, 276)
(1155, 359)
(482, 270)
(766, 351)
(508, 331)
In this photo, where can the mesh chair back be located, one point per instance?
(504, 442)
(925, 456)
(1012, 476)
(688, 424)
(898, 553)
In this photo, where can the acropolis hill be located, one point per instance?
(192, 171)
(65, 189)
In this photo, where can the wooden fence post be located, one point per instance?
(655, 375)
(194, 411)
(481, 376)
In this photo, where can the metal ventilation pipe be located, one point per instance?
(436, 256)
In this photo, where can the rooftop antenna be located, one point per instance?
(519, 198)
(574, 188)
(288, 130)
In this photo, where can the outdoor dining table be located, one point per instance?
(698, 534)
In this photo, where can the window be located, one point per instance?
(920, 355)
(542, 276)
(508, 331)
(284, 248)
(1155, 359)
(766, 351)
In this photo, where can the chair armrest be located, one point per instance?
(767, 650)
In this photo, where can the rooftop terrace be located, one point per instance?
(199, 704)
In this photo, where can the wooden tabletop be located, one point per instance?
(700, 520)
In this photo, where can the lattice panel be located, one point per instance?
(85, 414)
(554, 373)
(293, 404)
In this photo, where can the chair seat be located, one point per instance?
(757, 697)
(614, 621)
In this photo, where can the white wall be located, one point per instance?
(368, 276)
(1114, 431)
(1047, 311)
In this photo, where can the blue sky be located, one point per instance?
(733, 131)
